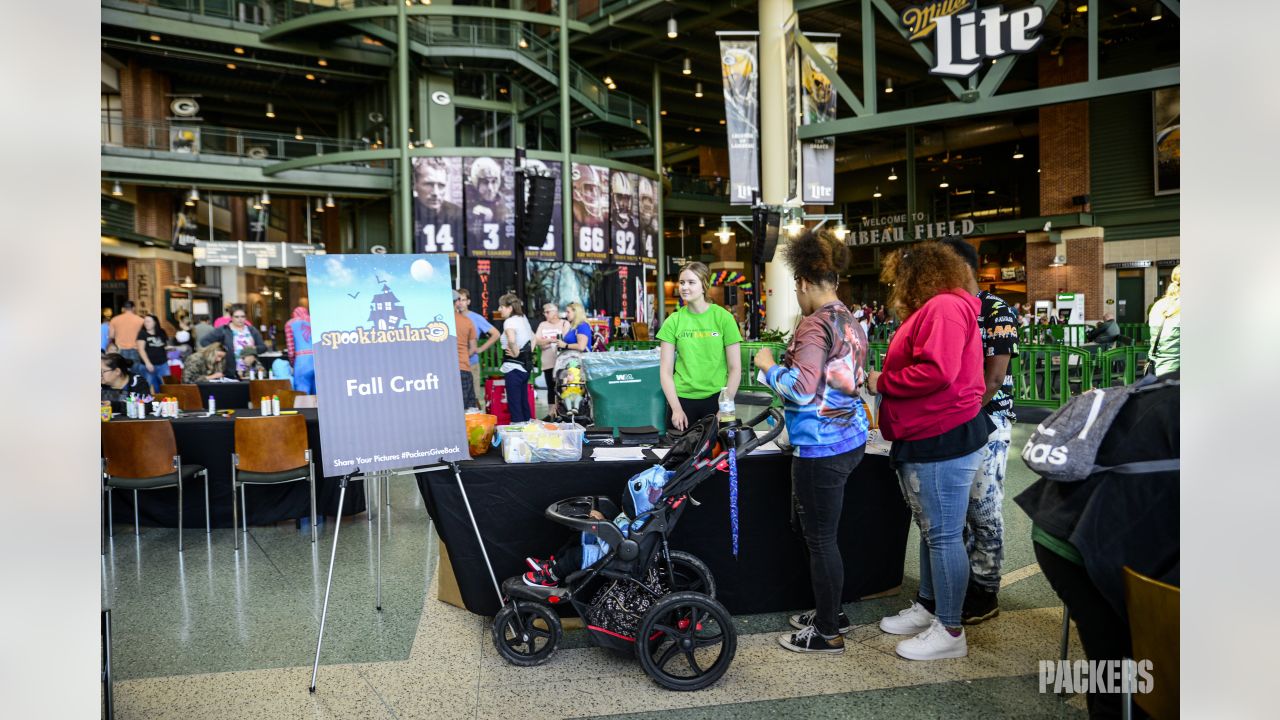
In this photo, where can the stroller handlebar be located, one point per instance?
(755, 442)
(573, 512)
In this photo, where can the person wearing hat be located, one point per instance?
(249, 360)
(466, 348)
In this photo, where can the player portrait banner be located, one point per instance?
(490, 207)
(624, 217)
(551, 248)
(590, 213)
(818, 104)
(647, 201)
(259, 219)
(740, 71)
(386, 356)
(438, 226)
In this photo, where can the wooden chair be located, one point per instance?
(269, 451)
(188, 396)
(142, 455)
(283, 388)
(640, 331)
(304, 401)
(1154, 610)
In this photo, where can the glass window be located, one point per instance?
(112, 120)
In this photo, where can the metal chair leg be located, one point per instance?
(135, 514)
(235, 514)
(1066, 633)
(180, 511)
(208, 528)
(244, 512)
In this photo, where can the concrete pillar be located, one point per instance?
(782, 311)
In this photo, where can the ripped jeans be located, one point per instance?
(938, 495)
(984, 528)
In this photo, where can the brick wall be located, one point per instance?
(153, 213)
(148, 279)
(143, 97)
(1082, 273)
(1064, 134)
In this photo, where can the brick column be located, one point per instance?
(153, 214)
(143, 98)
(1064, 134)
(1082, 273)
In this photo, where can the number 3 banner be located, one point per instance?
(437, 205)
(592, 242)
(490, 194)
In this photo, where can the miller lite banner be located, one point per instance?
(740, 71)
(964, 38)
(818, 104)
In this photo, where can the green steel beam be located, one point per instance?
(1093, 40)
(569, 241)
(472, 103)
(869, 94)
(203, 172)
(660, 300)
(608, 19)
(1035, 224)
(1136, 82)
(143, 22)
(920, 47)
(843, 91)
(996, 75)
(1174, 6)
(242, 60)
(330, 17)
(646, 151)
(803, 5)
(695, 206)
(339, 158)
(405, 186)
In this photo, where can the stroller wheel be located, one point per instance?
(686, 641)
(527, 636)
(691, 574)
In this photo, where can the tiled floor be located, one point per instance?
(225, 634)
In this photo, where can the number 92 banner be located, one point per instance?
(592, 242)
(490, 220)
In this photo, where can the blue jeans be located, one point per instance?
(938, 494)
(518, 395)
(152, 378)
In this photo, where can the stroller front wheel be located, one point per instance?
(686, 641)
(691, 574)
(527, 636)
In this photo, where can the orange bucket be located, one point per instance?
(480, 428)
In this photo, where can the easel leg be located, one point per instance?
(379, 481)
(328, 585)
(457, 474)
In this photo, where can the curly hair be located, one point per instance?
(817, 258)
(918, 272)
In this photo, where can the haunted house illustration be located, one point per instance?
(385, 310)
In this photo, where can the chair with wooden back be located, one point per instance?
(283, 388)
(188, 395)
(143, 455)
(1154, 610)
(269, 451)
(640, 331)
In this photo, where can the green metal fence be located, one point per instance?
(1049, 375)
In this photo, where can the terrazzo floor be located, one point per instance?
(224, 634)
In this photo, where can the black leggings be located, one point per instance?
(550, 376)
(818, 484)
(696, 408)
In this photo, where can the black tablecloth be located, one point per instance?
(209, 441)
(771, 572)
(228, 395)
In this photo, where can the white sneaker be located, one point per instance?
(935, 643)
(911, 621)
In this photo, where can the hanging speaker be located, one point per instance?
(538, 207)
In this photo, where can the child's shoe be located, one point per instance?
(541, 578)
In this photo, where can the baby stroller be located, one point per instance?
(573, 402)
(641, 597)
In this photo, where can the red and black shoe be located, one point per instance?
(541, 578)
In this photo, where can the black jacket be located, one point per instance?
(226, 335)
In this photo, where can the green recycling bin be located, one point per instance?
(625, 389)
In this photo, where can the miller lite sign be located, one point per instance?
(964, 38)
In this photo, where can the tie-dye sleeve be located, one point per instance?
(807, 358)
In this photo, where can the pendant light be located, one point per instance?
(672, 31)
(688, 67)
(1017, 152)
(297, 133)
(725, 233)
(701, 222)
(1157, 13)
(328, 201)
(893, 174)
(697, 90)
(841, 231)
(319, 205)
(116, 190)
(193, 197)
(888, 86)
(944, 184)
(266, 198)
(877, 193)
(271, 110)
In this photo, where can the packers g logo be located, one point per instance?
(437, 330)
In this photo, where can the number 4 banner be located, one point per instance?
(591, 213)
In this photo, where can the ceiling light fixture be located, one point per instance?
(725, 233)
(328, 201)
(991, 192)
(523, 43)
(662, 112)
(688, 67)
(155, 37)
(702, 222)
(311, 76)
(877, 193)
(1082, 8)
(428, 143)
(1157, 14)
(841, 231)
(697, 89)
(1017, 152)
(608, 80)
(322, 62)
(893, 175)
(795, 225)
(231, 66)
(271, 110)
(319, 206)
(256, 205)
(697, 129)
(944, 184)
(297, 133)
(266, 198)
(722, 121)
(187, 282)
(239, 51)
(672, 31)
(116, 190)
(888, 85)
(193, 197)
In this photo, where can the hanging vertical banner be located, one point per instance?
(185, 228)
(648, 217)
(386, 356)
(791, 66)
(259, 219)
(437, 205)
(740, 71)
(491, 207)
(550, 249)
(623, 273)
(590, 213)
(483, 269)
(624, 218)
(818, 103)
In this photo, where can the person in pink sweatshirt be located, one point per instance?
(931, 386)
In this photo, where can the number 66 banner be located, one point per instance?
(490, 212)
(590, 213)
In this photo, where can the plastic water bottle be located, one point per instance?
(213, 405)
(728, 411)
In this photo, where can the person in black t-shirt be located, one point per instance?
(118, 383)
(152, 346)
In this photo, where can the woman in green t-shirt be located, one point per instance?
(699, 351)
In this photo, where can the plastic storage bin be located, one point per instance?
(541, 442)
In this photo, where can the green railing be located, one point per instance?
(748, 383)
(623, 345)
(1049, 375)
(200, 139)
(875, 355)
(1120, 365)
(699, 185)
(1075, 335)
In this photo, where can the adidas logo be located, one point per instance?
(1044, 453)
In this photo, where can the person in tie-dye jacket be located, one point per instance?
(826, 423)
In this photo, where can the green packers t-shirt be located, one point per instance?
(700, 341)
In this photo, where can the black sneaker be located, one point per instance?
(809, 640)
(804, 620)
(980, 605)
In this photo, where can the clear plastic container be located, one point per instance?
(541, 442)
